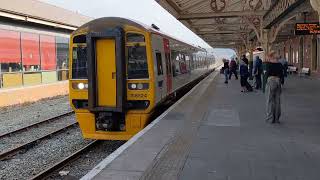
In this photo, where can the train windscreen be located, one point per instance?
(137, 62)
(79, 63)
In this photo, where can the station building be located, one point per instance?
(34, 48)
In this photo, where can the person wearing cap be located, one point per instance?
(274, 74)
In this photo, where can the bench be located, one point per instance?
(305, 71)
(292, 69)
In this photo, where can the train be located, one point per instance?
(121, 70)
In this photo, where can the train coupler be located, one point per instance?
(110, 121)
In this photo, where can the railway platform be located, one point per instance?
(216, 132)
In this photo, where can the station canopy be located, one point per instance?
(230, 23)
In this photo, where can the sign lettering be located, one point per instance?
(307, 28)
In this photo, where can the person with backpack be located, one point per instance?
(233, 68)
(257, 71)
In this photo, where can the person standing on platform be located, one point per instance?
(225, 70)
(233, 68)
(244, 74)
(257, 71)
(274, 74)
(237, 61)
(244, 59)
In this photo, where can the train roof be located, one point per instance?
(100, 24)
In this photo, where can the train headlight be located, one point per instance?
(138, 86)
(133, 86)
(80, 86)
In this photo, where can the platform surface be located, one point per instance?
(219, 133)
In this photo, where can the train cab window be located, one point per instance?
(79, 63)
(137, 62)
(134, 37)
(80, 39)
(159, 63)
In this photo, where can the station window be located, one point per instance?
(79, 63)
(62, 46)
(10, 56)
(48, 52)
(159, 63)
(134, 37)
(31, 58)
(30, 52)
(10, 59)
(137, 62)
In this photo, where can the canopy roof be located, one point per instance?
(234, 23)
(220, 23)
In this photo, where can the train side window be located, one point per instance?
(159, 63)
(134, 37)
(137, 62)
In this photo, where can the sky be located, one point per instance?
(146, 11)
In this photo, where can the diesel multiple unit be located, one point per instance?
(121, 70)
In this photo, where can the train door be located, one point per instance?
(160, 71)
(105, 71)
(168, 65)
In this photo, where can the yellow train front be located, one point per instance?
(120, 71)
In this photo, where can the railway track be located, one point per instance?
(47, 172)
(48, 120)
(24, 146)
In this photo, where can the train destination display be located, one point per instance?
(307, 28)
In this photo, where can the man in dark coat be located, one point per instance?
(244, 59)
(257, 71)
(233, 68)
